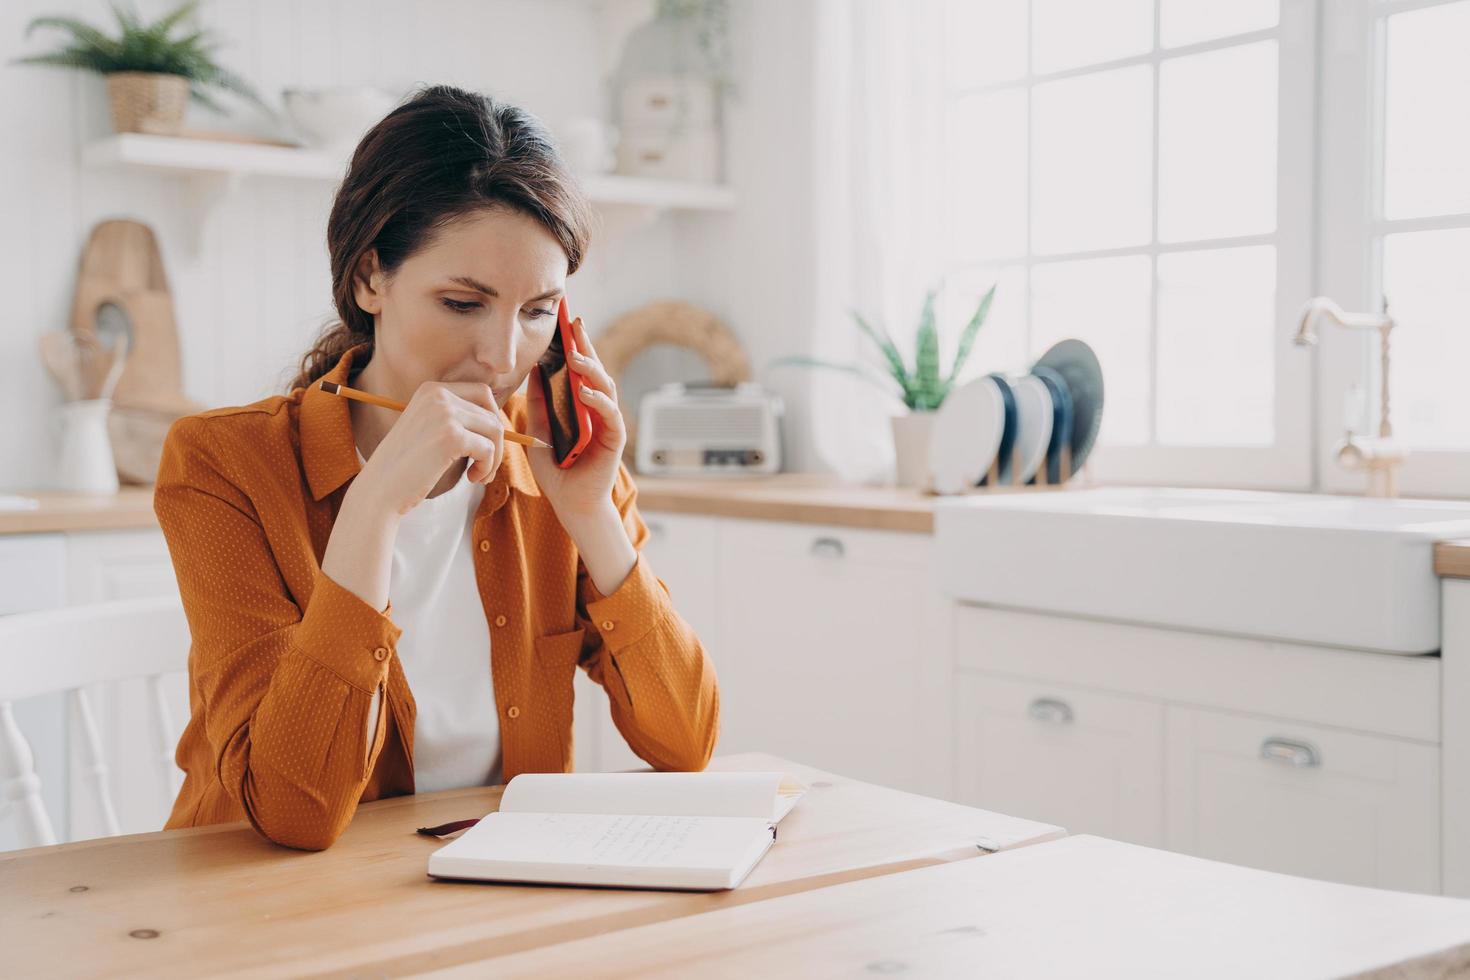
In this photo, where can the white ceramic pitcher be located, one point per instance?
(85, 463)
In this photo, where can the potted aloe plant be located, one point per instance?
(921, 387)
(151, 71)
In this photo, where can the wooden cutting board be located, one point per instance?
(121, 263)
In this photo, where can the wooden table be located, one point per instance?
(222, 900)
(1079, 907)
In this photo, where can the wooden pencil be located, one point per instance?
(367, 397)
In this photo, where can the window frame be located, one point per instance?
(1350, 234)
(1287, 462)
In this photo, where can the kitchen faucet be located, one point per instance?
(1380, 456)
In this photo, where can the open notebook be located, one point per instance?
(702, 831)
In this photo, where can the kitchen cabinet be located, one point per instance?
(830, 634)
(105, 565)
(683, 551)
(1089, 762)
(1303, 799)
(32, 572)
(828, 643)
(1455, 739)
(1290, 758)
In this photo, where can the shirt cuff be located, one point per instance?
(346, 635)
(636, 606)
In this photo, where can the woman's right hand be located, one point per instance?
(443, 423)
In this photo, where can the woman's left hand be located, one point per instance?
(583, 491)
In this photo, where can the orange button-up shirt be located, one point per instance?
(284, 661)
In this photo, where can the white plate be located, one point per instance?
(1033, 426)
(967, 432)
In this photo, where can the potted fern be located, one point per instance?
(151, 72)
(922, 388)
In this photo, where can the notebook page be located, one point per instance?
(573, 840)
(691, 794)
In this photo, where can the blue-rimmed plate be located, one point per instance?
(1002, 465)
(1033, 426)
(1076, 362)
(1061, 421)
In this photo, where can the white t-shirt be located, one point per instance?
(445, 645)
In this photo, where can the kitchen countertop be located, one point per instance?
(1452, 559)
(803, 497)
(131, 507)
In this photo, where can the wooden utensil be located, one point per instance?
(60, 355)
(121, 264)
(111, 340)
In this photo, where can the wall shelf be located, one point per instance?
(220, 162)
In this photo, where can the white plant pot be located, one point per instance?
(84, 463)
(911, 448)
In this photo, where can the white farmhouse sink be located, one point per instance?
(1345, 571)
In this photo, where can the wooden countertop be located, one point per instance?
(223, 900)
(803, 497)
(800, 497)
(132, 507)
(1452, 559)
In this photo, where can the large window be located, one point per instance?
(1396, 226)
(1137, 173)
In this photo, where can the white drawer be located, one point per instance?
(1089, 762)
(106, 565)
(793, 539)
(1369, 692)
(1303, 799)
(666, 102)
(32, 572)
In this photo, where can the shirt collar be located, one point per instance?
(329, 451)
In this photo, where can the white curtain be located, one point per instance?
(878, 200)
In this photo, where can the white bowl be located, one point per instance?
(334, 119)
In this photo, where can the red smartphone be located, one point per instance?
(568, 417)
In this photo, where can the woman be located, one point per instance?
(385, 603)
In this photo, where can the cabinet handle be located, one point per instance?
(1051, 711)
(828, 548)
(1298, 755)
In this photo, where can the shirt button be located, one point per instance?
(484, 545)
(513, 711)
(500, 620)
(607, 624)
(381, 653)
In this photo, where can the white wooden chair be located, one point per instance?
(71, 649)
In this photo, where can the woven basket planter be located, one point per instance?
(147, 102)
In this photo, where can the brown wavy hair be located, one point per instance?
(442, 154)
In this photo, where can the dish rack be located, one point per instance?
(992, 484)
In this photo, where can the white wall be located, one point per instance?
(249, 275)
(756, 267)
